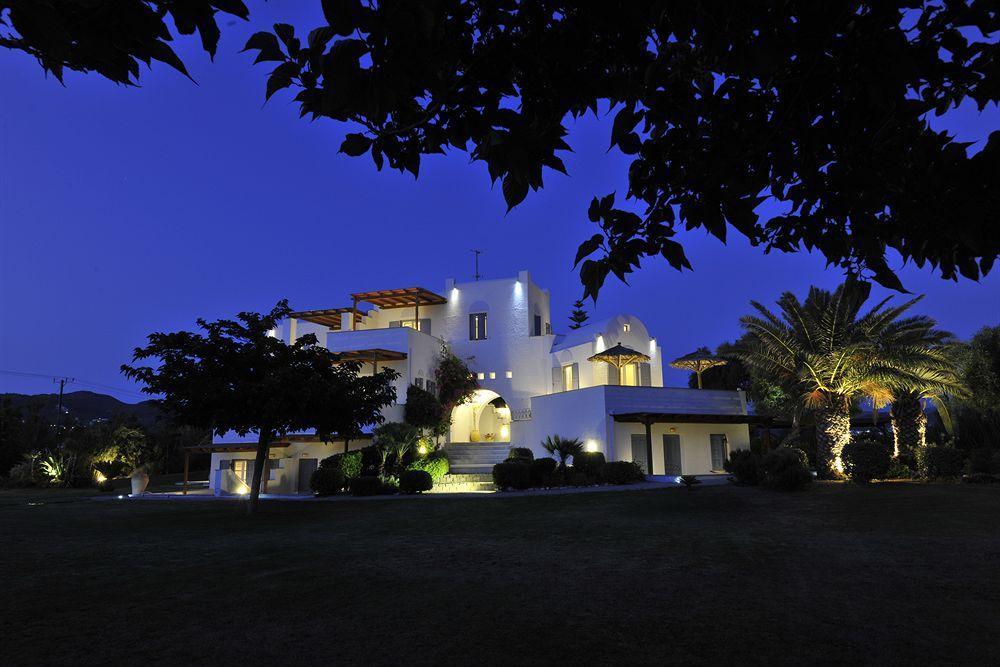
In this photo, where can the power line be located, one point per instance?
(57, 378)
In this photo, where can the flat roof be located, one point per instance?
(403, 297)
(689, 418)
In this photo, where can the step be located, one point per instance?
(473, 468)
(465, 478)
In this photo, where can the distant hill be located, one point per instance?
(87, 405)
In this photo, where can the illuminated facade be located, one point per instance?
(533, 381)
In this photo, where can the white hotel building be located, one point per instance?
(533, 382)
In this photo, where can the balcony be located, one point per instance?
(389, 344)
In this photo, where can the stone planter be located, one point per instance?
(140, 481)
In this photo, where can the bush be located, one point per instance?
(690, 481)
(744, 466)
(422, 409)
(542, 470)
(590, 464)
(350, 464)
(512, 475)
(520, 454)
(577, 478)
(369, 485)
(326, 481)
(899, 470)
(939, 461)
(866, 459)
(435, 464)
(415, 481)
(981, 478)
(107, 486)
(623, 472)
(984, 460)
(786, 469)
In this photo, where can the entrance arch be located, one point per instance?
(485, 418)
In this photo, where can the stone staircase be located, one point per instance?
(464, 483)
(476, 457)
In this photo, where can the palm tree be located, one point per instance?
(927, 358)
(827, 350)
(564, 448)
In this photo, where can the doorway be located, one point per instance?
(639, 452)
(306, 468)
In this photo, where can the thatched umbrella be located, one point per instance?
(619, 356)
(698, 361)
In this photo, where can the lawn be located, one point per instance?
(894, 572)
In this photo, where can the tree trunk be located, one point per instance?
(263, 445)
(909, 424)
(833, 432)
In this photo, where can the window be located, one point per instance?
(509, 374)
(567, 377)
(477, 326)
(423, 324)
(548, 327)
(719, 444)
(272, 465)
(626, 328)
(493, 375)
(419, 382)
(630, 375)
(537, 330)
(432, 387)
(242, 470)
(480, 376)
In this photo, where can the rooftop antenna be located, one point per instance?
(477, 253)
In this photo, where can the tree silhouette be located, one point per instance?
(818, 107)
(238, 377)
(579, 315)
(110, 38)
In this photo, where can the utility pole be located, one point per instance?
(62, 384)
(477, 253)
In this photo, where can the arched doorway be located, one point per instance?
(486, 418)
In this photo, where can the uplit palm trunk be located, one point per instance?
(909, 424)
(263, 444)
(833, 432)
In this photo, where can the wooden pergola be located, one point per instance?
(328, 317)
(647, 419)
(403, 297)
(371, 356)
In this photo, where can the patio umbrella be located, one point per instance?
(619, 356)
(698, 361)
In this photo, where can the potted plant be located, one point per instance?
(140, 480)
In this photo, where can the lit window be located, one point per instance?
(493, 375)
(509, 374)
(630, 375)
(481, 376)
(626, 328)
(477, 326)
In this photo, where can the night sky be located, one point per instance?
(126, 211)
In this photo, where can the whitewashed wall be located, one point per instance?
(696, 453)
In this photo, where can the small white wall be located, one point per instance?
(696, 453)
(572, 414)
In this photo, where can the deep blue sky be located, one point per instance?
(126, 211)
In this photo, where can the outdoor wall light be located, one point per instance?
(591, 445)
(673, 429)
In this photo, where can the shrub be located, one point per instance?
(565, 448)
(690, 481)
(415, 481)
(866, 459)
(786, 469)
(435, 464)
(590, 464)
(542, 470)
(577, 478)
(512, 475)
(326, 481)
(981, 478)
(984, 460)
(520, 454)
(107, 486)
(422, 409)
(367, 485)
(899, 470)
(744, 466)
(939, 461)
(623, 472)
(350, 464)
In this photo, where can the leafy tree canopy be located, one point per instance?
(820, 107)
(237, 377)
(110, 38)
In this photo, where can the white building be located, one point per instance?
(533, 383)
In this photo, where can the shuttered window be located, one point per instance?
(645, 375)
(477, 326)
(717, 442)
(537, 330)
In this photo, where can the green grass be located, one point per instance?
(894, 572)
